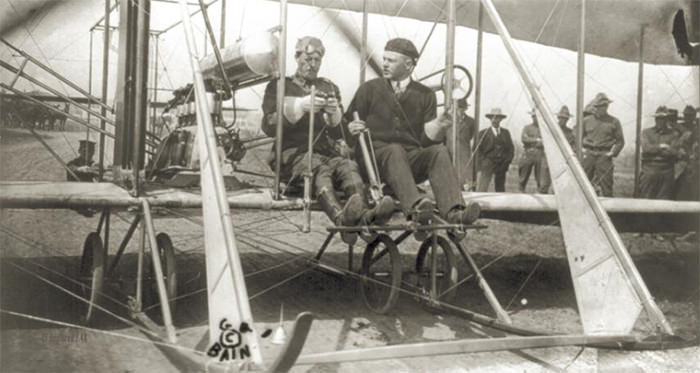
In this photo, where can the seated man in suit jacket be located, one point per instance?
(495, 152)
(408, 137)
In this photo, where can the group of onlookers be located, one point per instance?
(669, 158)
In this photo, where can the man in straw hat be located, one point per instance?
(331, 168)
(495, 151)
(533, 157)
(82, 166)
(407, 136)
(660, 151)
(602, 141)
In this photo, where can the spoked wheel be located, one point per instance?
(446, 269)
(381, 274)
(166, 252)
(92, 265)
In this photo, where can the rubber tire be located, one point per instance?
(166, 252)
(381, 306)
(451, 276)
(93, 264)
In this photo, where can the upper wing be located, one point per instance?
(612, 26)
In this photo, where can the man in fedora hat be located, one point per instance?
(533, 157)
(83, 165)
(563, 116)
(330, 166)
(407, 136)
(602, 141)
(660, 151)
(465, 135)
(495, 152)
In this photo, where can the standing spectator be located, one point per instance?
(495, 153)
(660, 150)
(687, 188)
(563, 116)
(465, 133)
(602, 141)
(533, 157)
(83, 165)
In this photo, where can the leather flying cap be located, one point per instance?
(310, 44)
(403, 46)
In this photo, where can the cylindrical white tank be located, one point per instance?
(249, 58)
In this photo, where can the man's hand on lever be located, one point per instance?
(296, 107)
(435, 129)
(357, 126)
(333, 112)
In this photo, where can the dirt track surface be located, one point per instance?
(41, 247)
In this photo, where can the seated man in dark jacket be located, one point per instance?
(407, 136)
(331, 168)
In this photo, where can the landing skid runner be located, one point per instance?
(156, 288)
(436, 272)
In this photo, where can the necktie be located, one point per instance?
(397, 89)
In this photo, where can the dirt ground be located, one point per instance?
(40, 252)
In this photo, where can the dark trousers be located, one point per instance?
(599, 169)
(656, 181)
(534, 158)
(402, 166)
(492, 169)
(330, 173)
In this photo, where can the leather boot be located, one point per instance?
(349, 215)
(381, 213)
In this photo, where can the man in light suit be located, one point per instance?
(495, 152)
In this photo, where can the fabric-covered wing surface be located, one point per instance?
(612, 26)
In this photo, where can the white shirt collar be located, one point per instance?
(495, 132)
(402, 83)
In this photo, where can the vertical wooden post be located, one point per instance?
(105, 79)
(640, 102)
(477, 90)
(363, 46)
(222, 27)
(580, 82)
(156, 38)
(308, 176)
(281, 66)
(449, 77)
(89, 116)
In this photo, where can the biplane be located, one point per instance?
(600, 263)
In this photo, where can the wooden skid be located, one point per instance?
(459, 347)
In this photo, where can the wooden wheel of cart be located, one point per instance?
(381, 274)
(92, 264)
(446, 269)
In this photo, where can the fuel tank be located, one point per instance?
(247, 59)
